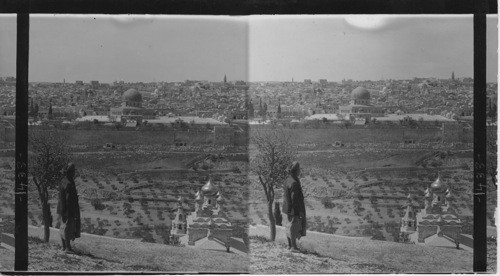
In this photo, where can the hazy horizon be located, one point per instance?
(146, 49)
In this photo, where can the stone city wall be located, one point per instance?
(7, 134)
(368, 135)
(223, 135)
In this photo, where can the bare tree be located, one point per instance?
(274, 153)
(48, 156)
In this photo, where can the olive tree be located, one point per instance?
(48, 156)
(272, 155)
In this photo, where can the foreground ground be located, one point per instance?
(104, 254)
(322, 253)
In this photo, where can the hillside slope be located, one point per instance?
(323, 253)
(105, 253)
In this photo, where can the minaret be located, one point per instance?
(225, 79)
(452, 76)
(279, 106)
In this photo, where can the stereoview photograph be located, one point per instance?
(256, 144)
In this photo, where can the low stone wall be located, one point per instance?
(196, 234)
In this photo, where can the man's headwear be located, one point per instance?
(70, 170)
(294, 168)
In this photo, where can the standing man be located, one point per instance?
(68, 209)
(294, 207)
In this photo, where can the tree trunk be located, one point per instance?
(46, 220)
(272, 221)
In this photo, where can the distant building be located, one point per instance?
(323, 81)
(131, 108)
(360, 106)
(208, 222)
(238, 115)
(79, 82)
(421, 118)
(10, 79)
(241, 86)
(325, 117)
(307, 81)
(179, 224)
(438, 223)
(94, 84)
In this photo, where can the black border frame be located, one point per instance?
(248, 7)
(231, 7)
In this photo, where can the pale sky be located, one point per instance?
(130, 48)
(256, 48)
(365, 48)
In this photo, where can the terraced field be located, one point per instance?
(139, 200)
(361, 192)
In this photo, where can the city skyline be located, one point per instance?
(256, 48)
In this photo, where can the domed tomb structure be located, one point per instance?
(438, 223)
(208, 221)
(131, 108)
(360, 107)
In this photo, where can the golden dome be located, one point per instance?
(209, 188)
(198, 196)
(438, 186)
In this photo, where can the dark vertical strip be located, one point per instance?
(479, 142)
(21, 167)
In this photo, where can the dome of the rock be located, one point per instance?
(132, 95)
(360, 93)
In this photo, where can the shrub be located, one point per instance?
(97, 203)
(327, 202)
(377, 235)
